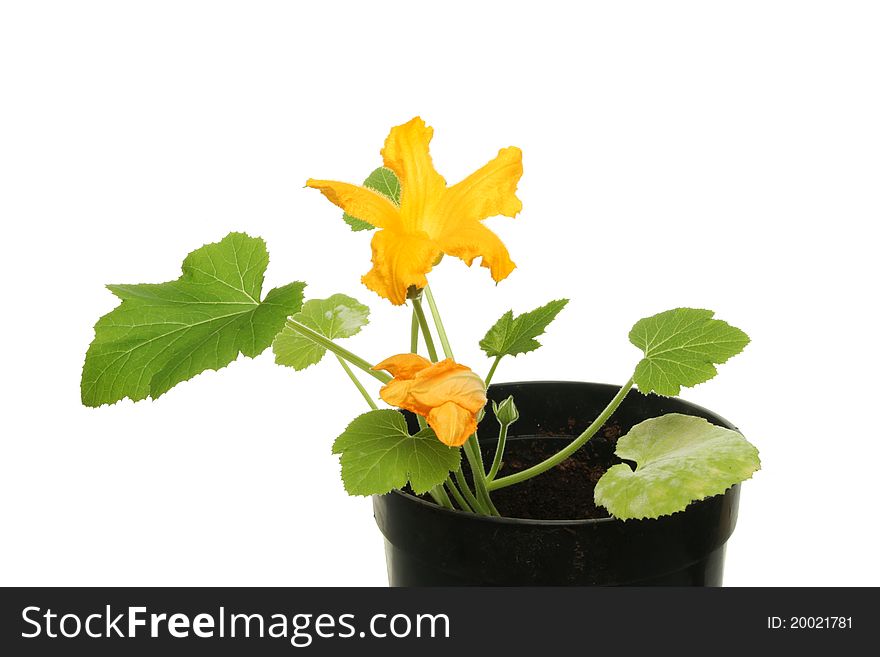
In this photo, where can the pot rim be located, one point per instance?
(505, 520)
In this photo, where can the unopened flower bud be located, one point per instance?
(506, 412)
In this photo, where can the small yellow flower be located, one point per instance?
(447, 394)
(432, 219)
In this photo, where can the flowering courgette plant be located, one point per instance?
(163, 334)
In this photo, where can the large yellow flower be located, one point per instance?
(446, 394)
(432, 218)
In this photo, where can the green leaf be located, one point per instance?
(680, 459)
(680, 348)
(378, 455)
(162, 334)
(385, 182)
(516, 335)
(338, 316)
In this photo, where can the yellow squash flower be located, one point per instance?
(432, 219)
(447, 394)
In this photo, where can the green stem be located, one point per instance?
(438, 323)
(414, 334)
(328, 344)
(472, 446)
(472, 451)
(357, 383)
(570, 449)
(466, 490)
(499, 452)
(463, 503)
(492, 370)
(440, 496)
(426, 332)
(467, 501)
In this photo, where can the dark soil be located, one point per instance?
(562, 493)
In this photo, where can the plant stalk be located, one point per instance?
(472, 451)
(357, 383)
(440, 496)
(331, 346)
(466, 490)
(426, 332)
(438, 323)
(569, 449)
(472, 445)
(499, 453)
(462, 502)
(492, 370)
(414, 334)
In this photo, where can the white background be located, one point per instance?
(721, 155)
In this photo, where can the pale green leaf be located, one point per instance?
(516, 335)
(338, 316)
(385, 182)
(162, 334)
(679, 459)
(681, 347)
(378, 455)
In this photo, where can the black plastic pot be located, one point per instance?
(426, 545)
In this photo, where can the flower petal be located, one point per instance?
(449, 381)
(397, 393)
(452, 423)
(474, 239)
(400, 260)
(487, 192)
(407, 154)
(403, 366)
(359, 202)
